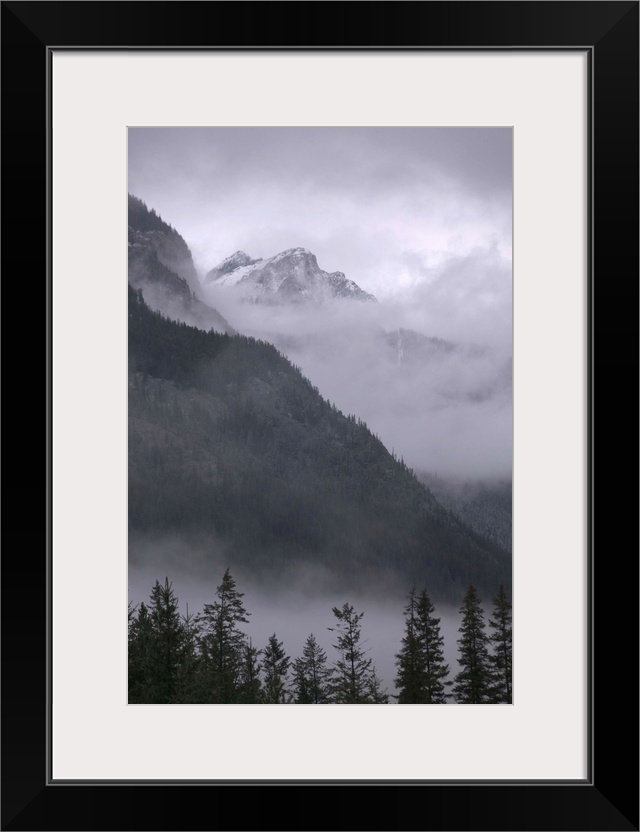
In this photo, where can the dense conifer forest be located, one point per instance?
(206, 658)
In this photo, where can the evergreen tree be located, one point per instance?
(422, 671)
(500, 639)
(156, 641)
(275, 666)
(222, 642)
(410, 659)
(436, 670)
(140, 657)
(167, 641)
(301, 695)
(250, 687)
(474, 683)
(187, 687)
(376, 694)
(354, 675)
(311, 676)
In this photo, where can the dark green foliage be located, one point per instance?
(162, 661)
(376, 694)
(167, 640)
(187, 677)
(141, 668)
(436, 670)
(410, 659)
(354, 681)
(222, 643)
(250, 686)
(311, 675)
(142, 218)
(422, 671)
(474, 683)
(228, 440)
(275, 667)
(501, 641)
(207, 659)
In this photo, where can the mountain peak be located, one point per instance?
(292, 276)
(239, 257)
(293, 251)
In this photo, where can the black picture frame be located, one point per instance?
(608, 799)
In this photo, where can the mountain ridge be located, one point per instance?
(160, 264)
(291, 276)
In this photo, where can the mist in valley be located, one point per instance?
(441, 405)
(296, 605)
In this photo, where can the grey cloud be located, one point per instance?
(266, 189)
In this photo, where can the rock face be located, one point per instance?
(160, 264)
(170, 250)
(293, 276)
(149, 231)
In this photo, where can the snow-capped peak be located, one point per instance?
(240, 258)
(292, 275)
(292, 251)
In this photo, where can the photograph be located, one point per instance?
(320, 415)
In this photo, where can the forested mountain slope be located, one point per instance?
(230, 444)
(485, 505)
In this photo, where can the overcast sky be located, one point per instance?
(420, 213)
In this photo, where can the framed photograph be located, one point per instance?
(505, 132)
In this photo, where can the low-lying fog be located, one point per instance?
(294, 607)
(442, 404)
(294, 611)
